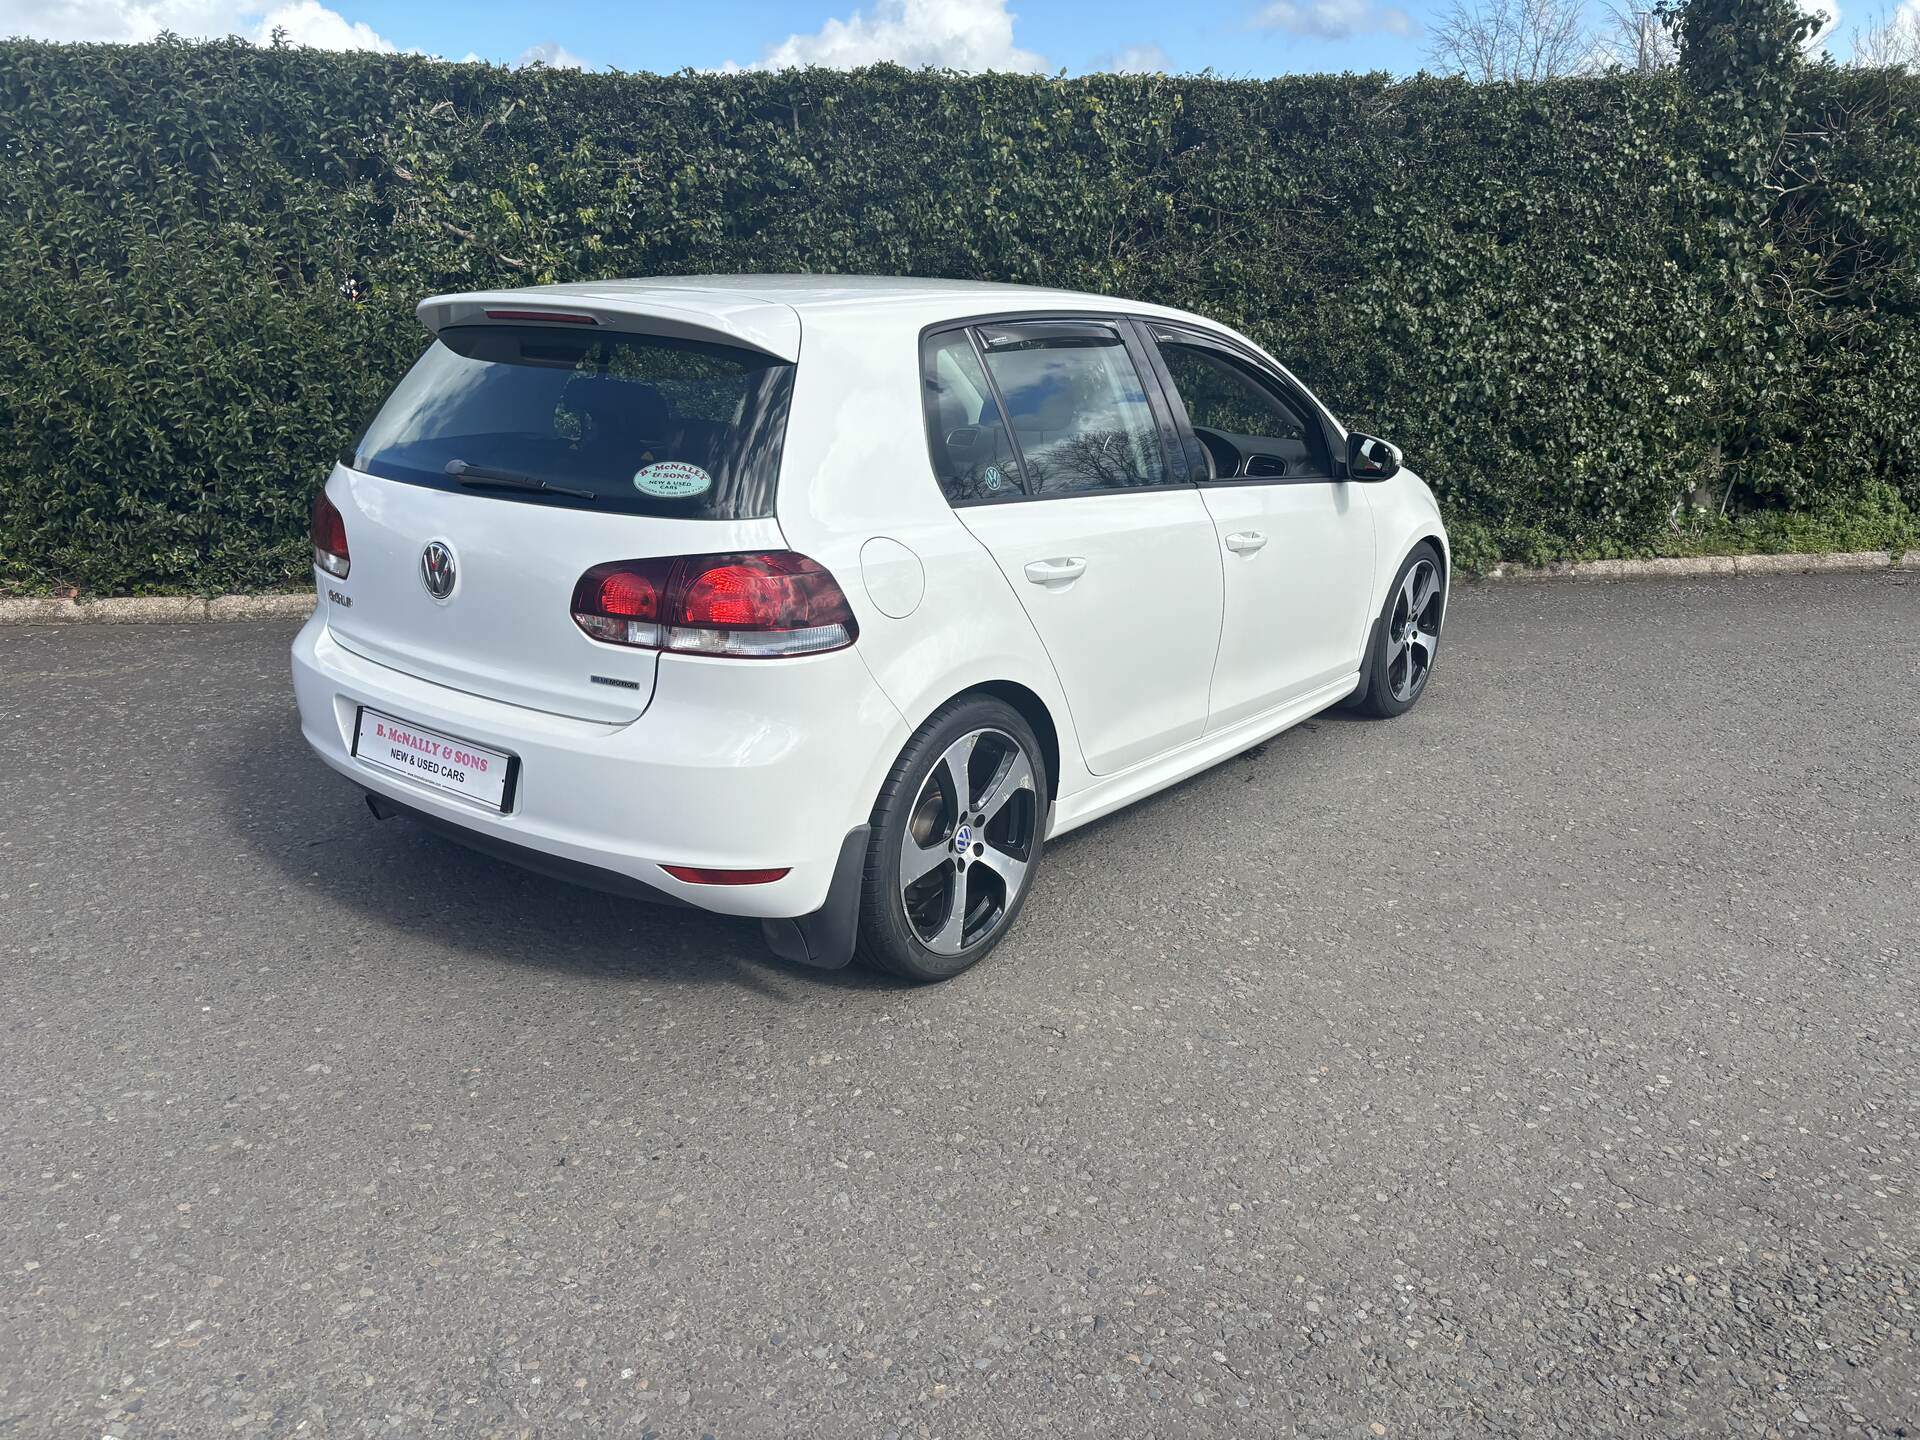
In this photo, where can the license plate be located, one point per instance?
(458, 767)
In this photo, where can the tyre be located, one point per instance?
(1406, 639)
(956, 839)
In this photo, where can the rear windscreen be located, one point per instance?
(641, 424)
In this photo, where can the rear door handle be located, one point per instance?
(1245, 542)
(1057, 572)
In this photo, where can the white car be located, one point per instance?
(830, 600)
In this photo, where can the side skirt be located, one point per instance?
(1112, 792)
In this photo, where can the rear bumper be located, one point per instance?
(736, 765)
(554, 867)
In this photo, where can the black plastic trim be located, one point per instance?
(554, 867)
(825, 939)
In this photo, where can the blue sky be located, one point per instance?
(1232, 37)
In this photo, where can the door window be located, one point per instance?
(1079, 412)
(972, 456)
(1249, 427)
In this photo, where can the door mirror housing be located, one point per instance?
(1371, 458)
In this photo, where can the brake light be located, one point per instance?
(544, 317)
(699, 875)
(330, 538)
(755, 606)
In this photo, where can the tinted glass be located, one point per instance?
(1228, 399)
(971, 453)
(1077, 408)
(640, 423)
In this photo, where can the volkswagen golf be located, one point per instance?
(830, 601)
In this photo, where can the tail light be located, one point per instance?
(757, 606)
(330, 538)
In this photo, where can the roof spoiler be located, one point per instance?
(772, 329)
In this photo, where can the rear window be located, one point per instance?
(639, 424)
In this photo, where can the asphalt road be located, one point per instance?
(1544, 1062)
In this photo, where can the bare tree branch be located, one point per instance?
(1635, 38)
(1891, 39)
(1491, 40)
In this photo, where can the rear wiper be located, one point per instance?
(475, 477)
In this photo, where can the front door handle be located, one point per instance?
(1245, 542)
(1057, 572)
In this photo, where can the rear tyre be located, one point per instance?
(1407, 637)
(956, 838)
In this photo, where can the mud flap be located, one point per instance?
(825, 938)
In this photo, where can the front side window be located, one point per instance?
(640, 424)
(1249, 428)
(1078, 410)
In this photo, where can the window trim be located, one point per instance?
(1207, 340)
(1139, 353)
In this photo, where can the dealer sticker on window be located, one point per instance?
(672, 480)
(440, 761)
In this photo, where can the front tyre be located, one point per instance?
(956, 838)
(1407, 637)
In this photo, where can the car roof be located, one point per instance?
(766, 311)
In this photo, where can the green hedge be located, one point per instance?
(210, 255)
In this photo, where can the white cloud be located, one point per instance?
(122, 20)
(956, 34)
(1332, 19)
(554, 56)
(307, 22)
(1147, 60)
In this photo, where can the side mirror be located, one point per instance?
(1371, 458)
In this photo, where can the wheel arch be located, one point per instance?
(1034, 711)
(1398, 542)
(1437, 537)
(1425, 535)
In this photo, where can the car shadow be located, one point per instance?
(1217, 773)
(314, 827)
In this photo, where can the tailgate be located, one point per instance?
(505, 630)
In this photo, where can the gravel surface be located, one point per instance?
(1544, 1062)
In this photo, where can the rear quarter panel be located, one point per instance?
(855, 468)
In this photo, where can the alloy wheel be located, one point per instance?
(969, 841)
(1413, 631)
